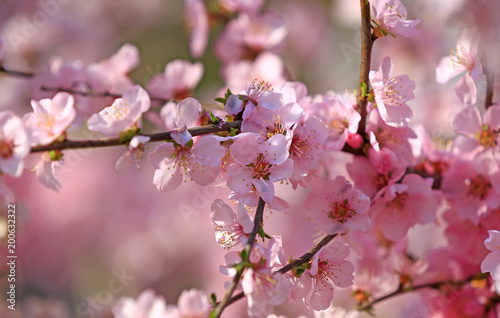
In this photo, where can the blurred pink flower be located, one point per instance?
(390, 17)
(123, 114)
(462, 61)
(391, 94)
(198, 25)
(477, 134)
(491, 263)
(192, 303)
(50, 118)
(245, 37)
(247, 6)
(178, 80)
(147, 305)
(328, 269)
(14, 144)
(403, 205)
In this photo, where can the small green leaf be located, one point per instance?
(263, 234)
(213, 298)
(55, 155)
(127, 135)
(244, 256)
(221, 100)
(214, 119)
(233, 132)
(189, 144)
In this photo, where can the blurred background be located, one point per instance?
(104, 236)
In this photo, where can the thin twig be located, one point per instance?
(16, 73)
(490, 81)
(400, 291)
(307, 257)
(364, 71)
(73, 144)
(248, 249)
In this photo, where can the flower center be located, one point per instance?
(461, 58)
(399, 203)
(341, 211)
(338, 125)
(117, 111)
(260, 168)
(479, 186)
(6, 148)
(486, 137)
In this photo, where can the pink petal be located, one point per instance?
(188, 113)
(467, 121)
(492, 117)
(466, 90)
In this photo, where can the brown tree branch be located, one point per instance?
(248, 249)
(366, 52)
(74, 144)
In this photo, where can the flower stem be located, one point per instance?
(366, 52)
(74, 144)
(248, 249)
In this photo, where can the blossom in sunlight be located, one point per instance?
(391, 94)
(477, 133)
(14, 144)
(179, 161)
(391, 18)
(230, 229)
(258, 165)
(123, 114)
(464, 61)
(50, 118)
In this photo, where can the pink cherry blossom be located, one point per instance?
(328, 268)
(230, 229)
(477, 134)
(147, 305)
(338, 114)
(373, 174)
(50, 118)
(462, 61)
(336, 206)
(258, 165)
(178, 80)
(267, 68)
(14, 144)
(258, 94)
(261, 284)
(135, 151)
(469, 185)
(491, 263)
(248, 35)
(123, 114)
(175, 162)
(394, 138)
(306, 149)
(403, 205)
(391, 18)
(192, 303)
(197, 22)
(391, 94)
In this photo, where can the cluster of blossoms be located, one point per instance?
(396, 180)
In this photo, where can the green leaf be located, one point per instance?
(55, 155)
(221, 100)
(263, 234)
(364, 89)
(127, 135)
(214, 119)
(233, 132)
(244, 256)
(213, 298)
